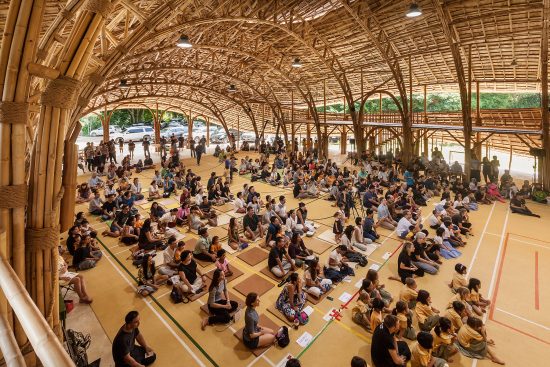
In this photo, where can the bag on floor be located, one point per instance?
(302, 317)
(176, 296)
(283, 338)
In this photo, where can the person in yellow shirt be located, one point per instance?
(404, 318)
(476, 300)
(456, 314)
(426, 315)
(360, 312)
(376, 315)
(444, 338)
(421, 352)
(409, 293)
(462, 295)
(473, 343)
(459, 278)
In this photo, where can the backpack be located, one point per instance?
(176, 296)
(283, 339)
(302, 317)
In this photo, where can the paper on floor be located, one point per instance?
(345, 297)
(304, 339)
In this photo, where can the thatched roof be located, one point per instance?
(352, 46)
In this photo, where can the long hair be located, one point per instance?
(215, 279)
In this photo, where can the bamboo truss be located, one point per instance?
(350, 51)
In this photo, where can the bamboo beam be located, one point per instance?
(42, 71)
(544, 99)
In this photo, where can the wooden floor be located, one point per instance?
(509, 253)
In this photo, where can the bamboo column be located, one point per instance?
(105, 122)
(293, 125)
(45, 191)
(70, 172)
(190, 128)
(19, 46)
(478, 123)
(343, 141)
(323, 144)
(544, 105)
(207, 131)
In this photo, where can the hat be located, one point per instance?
(419, 236)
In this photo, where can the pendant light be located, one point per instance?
(414, 10)
(183, 42)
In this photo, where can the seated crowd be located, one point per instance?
(381, 193)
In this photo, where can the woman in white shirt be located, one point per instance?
(77, 280)
(292, 224)
(238, 204)
(357, 239)
(154, 191)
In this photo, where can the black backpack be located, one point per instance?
(175, 296)
(284, 339)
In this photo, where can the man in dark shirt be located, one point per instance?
(125, 351)
(109, 208)
(272, 230)
(517, 205)
(279, 262)
(252, 229)
(385, 350)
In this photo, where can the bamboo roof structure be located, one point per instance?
(350, 47)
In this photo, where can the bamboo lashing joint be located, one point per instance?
(61, 92)
(14, 112)
(66, 14)
(13, 196)
(41, 238)
(41, 54)
(122, 49)
(96, 78)
(101, 7)
(82, 102)
(171, 5)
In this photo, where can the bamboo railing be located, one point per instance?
(45, 343)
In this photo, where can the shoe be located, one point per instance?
(310, 234)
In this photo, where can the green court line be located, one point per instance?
(314, 338)
(178, 325)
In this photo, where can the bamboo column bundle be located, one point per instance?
(18, 51)
(70, 170)
(57, 102)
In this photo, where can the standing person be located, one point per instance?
(385, 350)
(475, 168)
(146, 143)
(198, 152)
(125, 351)
(495, 166)
(112, 151)
(192, 146)
(120, 145)
(131, 147)
(487, 172)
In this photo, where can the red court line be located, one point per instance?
(536, 280)
(531, 238)
(520, 331)
(500, 265)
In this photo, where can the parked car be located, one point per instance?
(177, 131)
(99, 132)
(219, 138)
(136, 133)
(248, 136)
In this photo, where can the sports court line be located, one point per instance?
(499, 259)
(187, 348)
(521, 241)
(523, 319)
(537, 280)
(518, 331)
(197, 345)
(474, 256)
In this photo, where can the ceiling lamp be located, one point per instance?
(232, 88)
(123, 84)
(296, 63)
(414, 10)
(183, 42)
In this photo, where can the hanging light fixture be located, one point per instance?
(183, 42)
(414, 10)
(232, 88)
(123, 84)
(297, 63)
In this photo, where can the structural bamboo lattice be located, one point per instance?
(63, 59)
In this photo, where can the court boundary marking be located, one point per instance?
(504, 240)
